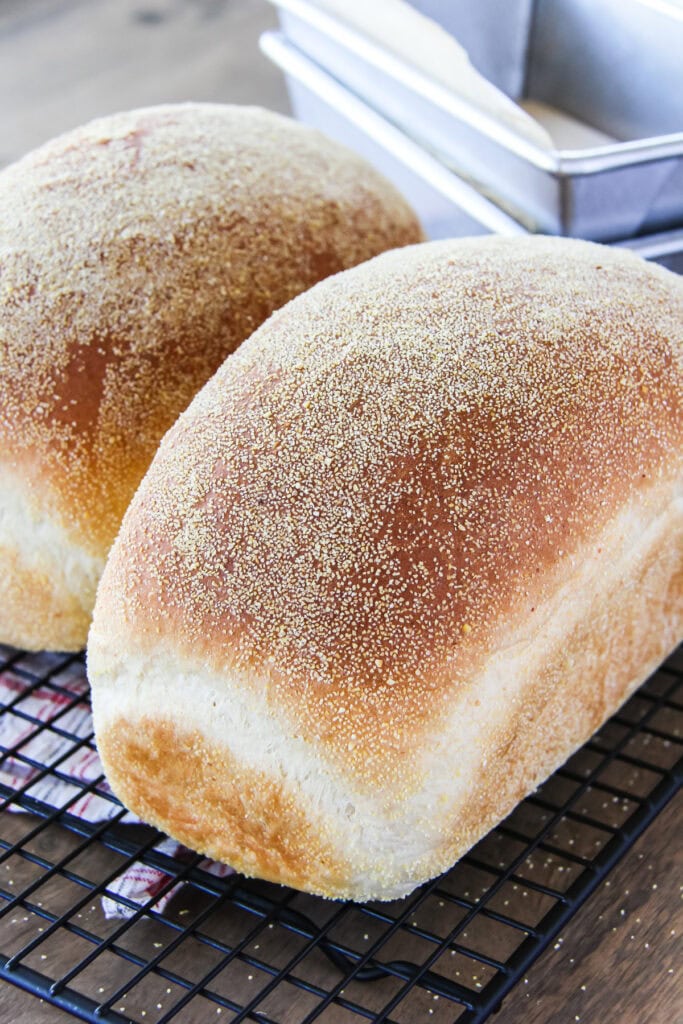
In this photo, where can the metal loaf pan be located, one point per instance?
(446, 205)
(611, 65)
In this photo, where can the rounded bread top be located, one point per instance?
(393, 469)
(136, 253)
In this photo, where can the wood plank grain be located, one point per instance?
(66, 62)
(617, 962)
(620, 960)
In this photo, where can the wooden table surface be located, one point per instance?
(64, 61)
(619, 961)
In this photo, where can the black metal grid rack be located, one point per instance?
(235, 950)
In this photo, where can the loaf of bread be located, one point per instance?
(136, 253)
(404, 553)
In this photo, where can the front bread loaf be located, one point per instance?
(405, 552)
(136, 253)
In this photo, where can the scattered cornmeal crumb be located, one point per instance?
(438, 418)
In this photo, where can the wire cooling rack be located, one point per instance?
(253, 951)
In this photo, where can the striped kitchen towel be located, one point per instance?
(48, 755)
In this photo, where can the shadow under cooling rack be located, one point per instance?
(253, 951)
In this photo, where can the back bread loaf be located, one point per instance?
(405, 552)
(136, 253)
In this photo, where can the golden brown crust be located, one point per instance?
(212, 803)
(419, 536)
(136, 253)
(579, 682)
(567, 683)
(397, 466)
(44, 615)
(47, 579)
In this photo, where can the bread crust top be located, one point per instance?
(396, 468)
(136, 253)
